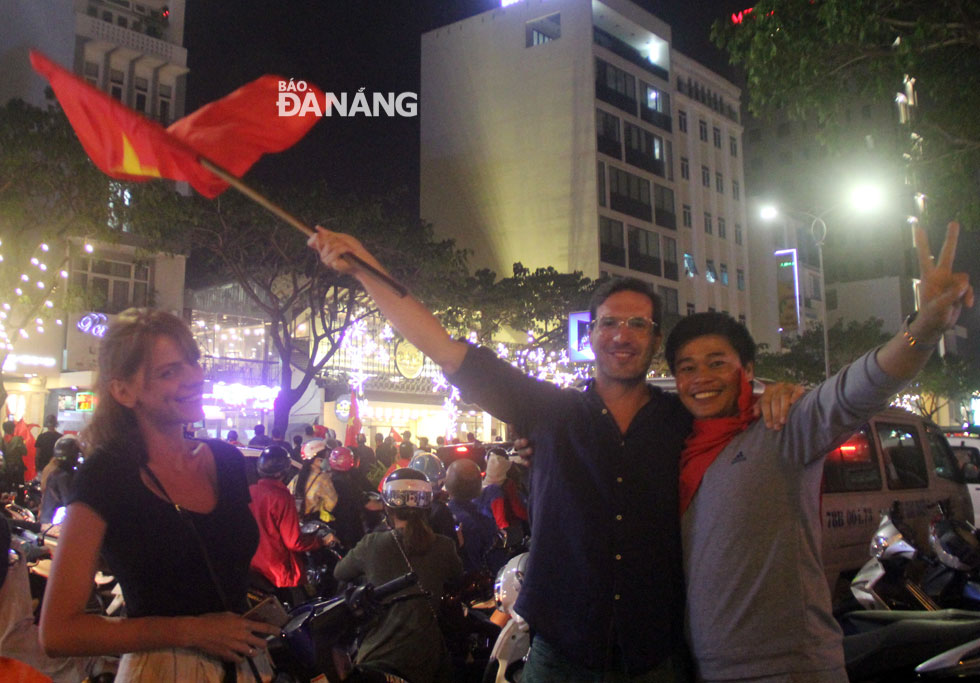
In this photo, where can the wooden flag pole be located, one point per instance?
(280, 212)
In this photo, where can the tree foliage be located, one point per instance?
(49, 193)
(945, 381)
(802, 362)
(233, 239)
(812, 56)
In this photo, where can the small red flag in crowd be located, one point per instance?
(353, 422)
(233, 132)
(395, 435)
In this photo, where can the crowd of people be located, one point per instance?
(631, 503)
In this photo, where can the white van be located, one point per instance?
(896, 456)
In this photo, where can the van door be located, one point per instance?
(851, 502)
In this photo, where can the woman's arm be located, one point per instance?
(66, 630)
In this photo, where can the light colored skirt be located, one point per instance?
(177, 665)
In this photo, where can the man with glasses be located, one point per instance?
(603, 592)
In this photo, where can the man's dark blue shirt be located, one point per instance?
(604, 573)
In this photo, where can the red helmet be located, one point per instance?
(342, 459)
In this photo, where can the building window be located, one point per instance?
(736, 191)
(738, 234)
(740, 279)
(116, 84)
(670, 258)
(690, 265)
(721, 228)
(140, 85)
(663, 203)
(668, 295)
(724, 274)
(690, 309)
(655, 106)
(121, 21)
(615, 86)
(541, 31)
(685, 169)
(716, 132)
(644, 250)
(686, 215)
(705, 176)
(630, 194)
(607, 134)
(92, 73)
(601, 183)
(113, 285)
(709, 268)
(707, 223)
(163, 113)
(682, 120)
(703, 130)
(719, 182)
(644, 149)
(611, 248)
(733, 145)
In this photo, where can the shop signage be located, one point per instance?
(15, 360)
(94, 324)
(85, 401)
(408, 360)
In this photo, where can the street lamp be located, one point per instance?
(863, 198)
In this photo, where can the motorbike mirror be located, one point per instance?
(59, 515)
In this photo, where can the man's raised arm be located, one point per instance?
(415, 322)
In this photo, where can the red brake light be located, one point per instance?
(461, 449)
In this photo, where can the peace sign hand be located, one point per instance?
(943, 292)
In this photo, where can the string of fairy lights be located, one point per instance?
(25, 313)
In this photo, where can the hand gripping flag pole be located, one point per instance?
(209, 149)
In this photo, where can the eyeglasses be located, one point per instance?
(610, 325)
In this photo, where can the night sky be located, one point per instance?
(342, 45)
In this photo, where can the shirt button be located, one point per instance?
(618, 556)
(619, 480)
(619, 518)
(605, 412)
(616, 597)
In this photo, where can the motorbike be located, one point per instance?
(317, 640)
(900, 576)
(321, 562)
(510, 650)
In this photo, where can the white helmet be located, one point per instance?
(508, 584)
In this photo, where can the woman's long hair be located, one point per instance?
(417, 536)
(123, 352)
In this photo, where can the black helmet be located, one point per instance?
(406, 488)
(274, 461)
(68, 449)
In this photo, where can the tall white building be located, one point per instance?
(568, 133)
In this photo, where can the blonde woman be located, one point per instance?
(170, 516)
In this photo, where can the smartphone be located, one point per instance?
(270, 611)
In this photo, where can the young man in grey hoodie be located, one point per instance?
(758, 605)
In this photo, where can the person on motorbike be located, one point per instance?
(14, 452)
(349, 512)
(407, 640)
(479, 534)
(758, 604)
(440, 516)
(279, 557)
(169, 515)
(57, 476)
(314, 489)
(502, 498)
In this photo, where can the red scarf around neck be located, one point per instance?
(708, 438)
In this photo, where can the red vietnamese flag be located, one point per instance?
(232, 132)
(395, 435)
(353, 422)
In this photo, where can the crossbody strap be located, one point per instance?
(189, 522)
